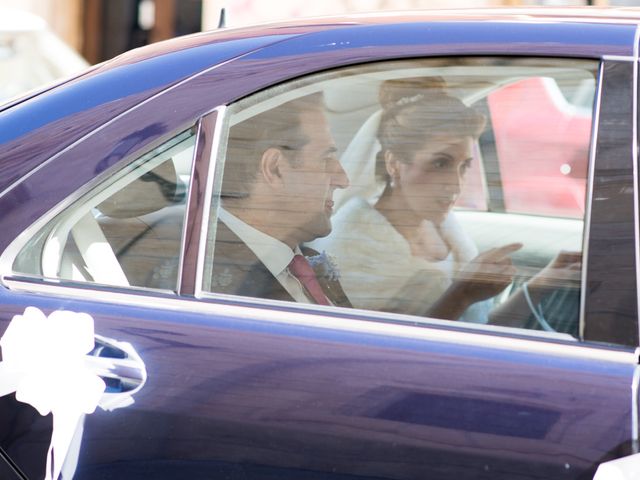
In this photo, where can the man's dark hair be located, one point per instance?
(278, 127)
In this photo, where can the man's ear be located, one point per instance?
(270, 165)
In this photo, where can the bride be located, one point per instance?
(402, 249)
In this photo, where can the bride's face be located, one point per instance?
(432, 180)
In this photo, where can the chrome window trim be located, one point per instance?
(586, 234)
(183, 236)
(635, 406)
(345, 319)
(214, 172)
(621, 58)
(634, 162)
(635, 434)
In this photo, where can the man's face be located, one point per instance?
(310, 176)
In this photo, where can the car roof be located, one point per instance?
(113, 87)
(274, 31)
(609, 15)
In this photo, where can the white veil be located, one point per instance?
(359, 161)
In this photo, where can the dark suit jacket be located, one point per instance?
(237, 271)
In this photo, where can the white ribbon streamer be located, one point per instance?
(44, 364)
(625, 468)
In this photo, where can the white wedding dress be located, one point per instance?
(379, 272)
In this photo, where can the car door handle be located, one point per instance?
(121, 368)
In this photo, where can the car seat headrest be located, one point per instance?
(152, 191)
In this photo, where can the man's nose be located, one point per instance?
(339, 177)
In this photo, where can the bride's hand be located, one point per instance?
(487, 274)
(562, 271)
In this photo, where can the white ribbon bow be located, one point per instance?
(625, 468)
(43, 361)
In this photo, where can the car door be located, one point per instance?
(249, 387)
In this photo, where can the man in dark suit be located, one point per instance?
(280, 175)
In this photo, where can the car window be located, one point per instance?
(520, 113)
(452, 189)
(126, 230)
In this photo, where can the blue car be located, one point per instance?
(399, 246)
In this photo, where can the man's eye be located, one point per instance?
(329, 159)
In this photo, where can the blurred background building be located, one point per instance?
(101, 29)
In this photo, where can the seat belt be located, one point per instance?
(96, 252)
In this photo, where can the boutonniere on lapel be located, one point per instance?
(325, 266)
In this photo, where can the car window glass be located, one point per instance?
(126, 231)
(452, 189)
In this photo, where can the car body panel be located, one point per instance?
(244, 388)
(339, 388)
(8, 472)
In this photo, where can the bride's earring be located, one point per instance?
(391, 165)
(393, 177)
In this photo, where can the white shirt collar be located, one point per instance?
(274, 254)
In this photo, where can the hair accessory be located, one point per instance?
(408, 100)
(537, 313)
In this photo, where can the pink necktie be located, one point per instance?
(300, 268)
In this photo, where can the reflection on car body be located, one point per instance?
(309, 290)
